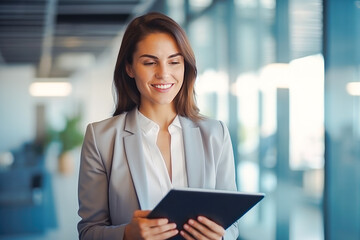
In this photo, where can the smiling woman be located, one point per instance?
(158, 70)
(156, 140)
(128, 95)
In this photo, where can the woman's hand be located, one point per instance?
(141, 227)
(201, 229)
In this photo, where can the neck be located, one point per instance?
(162, 115)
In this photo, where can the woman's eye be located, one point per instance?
(175, 62)
(149, 63)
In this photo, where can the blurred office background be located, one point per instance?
(284, 75)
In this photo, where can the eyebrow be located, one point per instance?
(154, 57)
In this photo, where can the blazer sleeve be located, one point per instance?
(93, 197)
(225, 175)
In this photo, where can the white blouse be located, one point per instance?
(158, 180)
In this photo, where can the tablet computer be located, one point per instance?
(222, 207)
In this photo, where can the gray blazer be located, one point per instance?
(112, 180)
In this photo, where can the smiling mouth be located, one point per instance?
(163, 86)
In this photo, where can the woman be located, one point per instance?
(155, 141)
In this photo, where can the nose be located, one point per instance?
(162, 71)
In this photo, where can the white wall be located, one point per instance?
(92, 93)
(17, 109)
(93, 86)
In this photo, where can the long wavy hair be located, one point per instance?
(127, 94)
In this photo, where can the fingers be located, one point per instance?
(212, 225)
(163, 232)
(145, 222)
(141, 227)
(154, 222)
(157, 233)
(203, 228)
(198, 231)
(141, 213)
(185, 235)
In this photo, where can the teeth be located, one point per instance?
(162, 86)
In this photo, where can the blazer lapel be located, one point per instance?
(135, 158)
(194, 153)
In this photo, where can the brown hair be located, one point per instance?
(127, 94)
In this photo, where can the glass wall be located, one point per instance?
(261, 71)
(342, 119)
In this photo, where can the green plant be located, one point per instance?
(70, 137)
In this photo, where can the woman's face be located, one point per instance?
(158, 69)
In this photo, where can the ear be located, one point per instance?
(129, 70)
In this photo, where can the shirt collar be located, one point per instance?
(176, 122)
(146, 124)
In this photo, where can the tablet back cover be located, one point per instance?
(223, 207)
